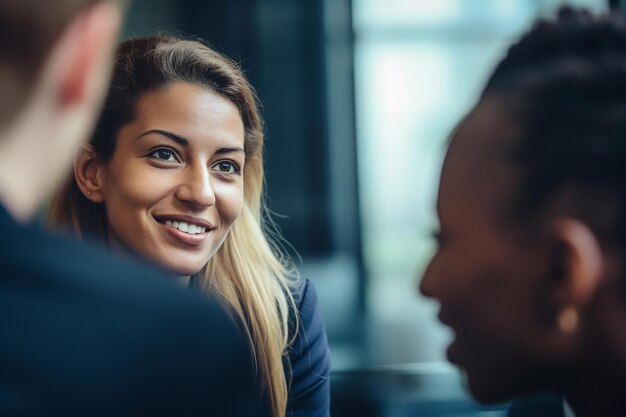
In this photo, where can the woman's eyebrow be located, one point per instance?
(173, 136)
(230, 150)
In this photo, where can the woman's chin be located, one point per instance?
(185, 270)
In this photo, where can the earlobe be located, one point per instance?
(576, 269)
(87, 174)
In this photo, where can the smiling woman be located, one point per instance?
(174, 174)
(174, 185)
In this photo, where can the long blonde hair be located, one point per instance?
(248, 272)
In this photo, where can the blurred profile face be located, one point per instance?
(174, 185)
(484, 272)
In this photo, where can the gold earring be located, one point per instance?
(568, 320)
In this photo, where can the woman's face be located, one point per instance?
(486, 274)
(174, 185)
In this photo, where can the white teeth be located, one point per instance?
(186, 227)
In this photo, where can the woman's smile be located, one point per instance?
(188, 232)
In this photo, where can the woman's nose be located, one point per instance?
(196, 188)
(427, 283)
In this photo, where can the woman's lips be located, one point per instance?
(452, 352)
(184, 237)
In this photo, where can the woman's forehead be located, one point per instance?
(477, 169)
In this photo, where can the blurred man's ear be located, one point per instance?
(80, 60)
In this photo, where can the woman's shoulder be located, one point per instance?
(303, 293)
(310, 321)
(309, 355)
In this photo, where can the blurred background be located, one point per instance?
(358, 98)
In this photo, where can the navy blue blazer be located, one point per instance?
(85, 334)
(309, 359)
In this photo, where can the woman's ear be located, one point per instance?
(87, 175)
(576, 268)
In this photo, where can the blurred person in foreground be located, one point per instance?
(82, 332)
(530, 266)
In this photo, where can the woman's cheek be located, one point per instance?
(231, 200)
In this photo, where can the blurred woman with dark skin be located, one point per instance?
(530, 266)
(174, 174)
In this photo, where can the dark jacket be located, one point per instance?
(309, 359)
(83, 333)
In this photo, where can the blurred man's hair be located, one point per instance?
(28, 30)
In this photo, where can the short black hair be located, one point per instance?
(567, 78)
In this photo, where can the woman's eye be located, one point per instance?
(164, 155)
(227, 167)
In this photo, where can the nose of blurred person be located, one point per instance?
(196, 189)
(426, 284)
